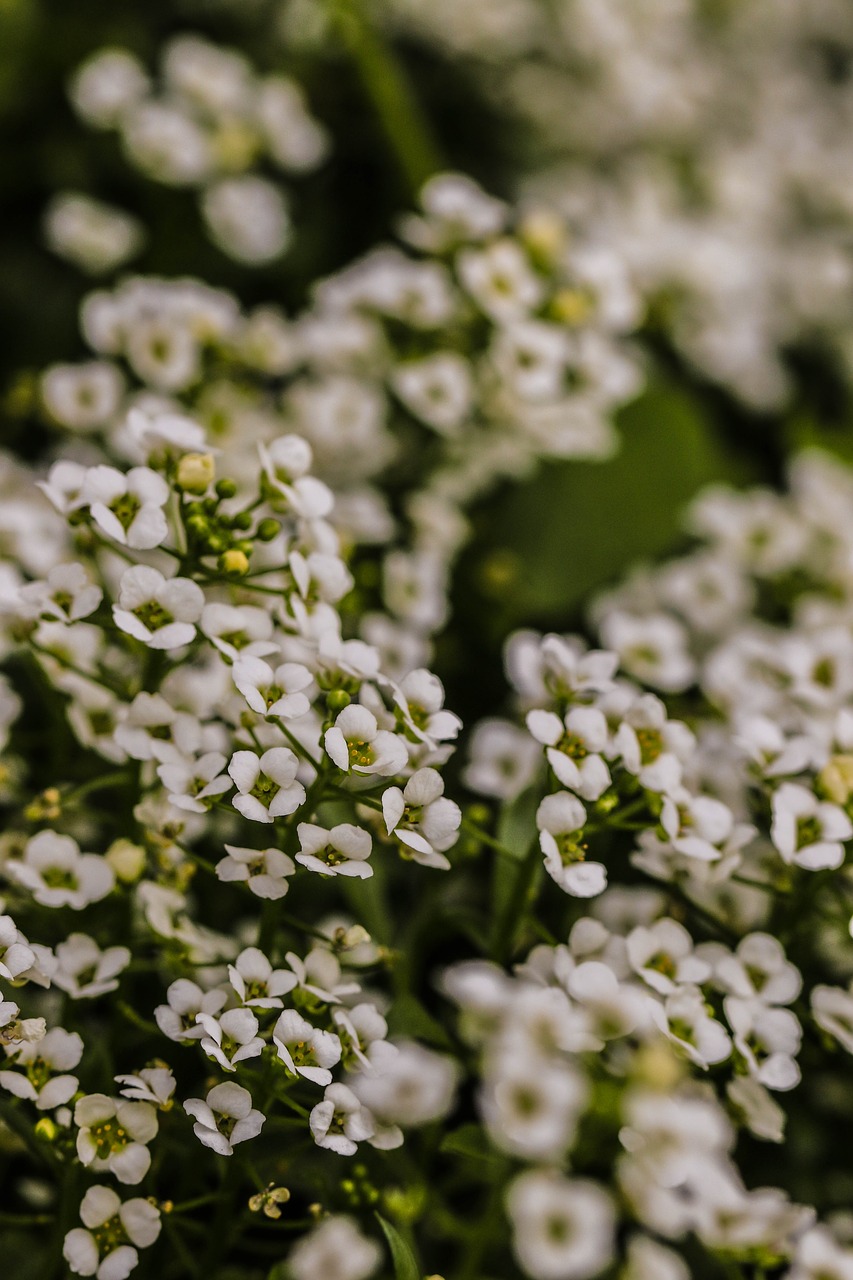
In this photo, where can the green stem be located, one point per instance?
(512, 917)
(385, 83)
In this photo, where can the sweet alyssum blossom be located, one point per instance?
(264, 871)
(341, 851)
(112, 1232)
(266, 785)
(225, 1118)
(113, 1134)
(161, 612)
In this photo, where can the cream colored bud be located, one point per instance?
(836, 778)
(657, 1066)
(571, 306)
(196, 472)
(126, 859)
(234, 561)
(544, 233)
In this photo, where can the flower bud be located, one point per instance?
(544, 234)
(196, 472)
(337, 699)
(126, 859)
(836, 778)
(234, 561)
(268, 529)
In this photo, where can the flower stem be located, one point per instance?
(385, 83)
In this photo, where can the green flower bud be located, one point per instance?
(268, 529)
(226, 488)
(337, 699)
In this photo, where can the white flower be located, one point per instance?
(652, 649)
(57, 874)
(684, 1019)
(340, 1121)
(832, 1008)
(68, 594)
(562, 1229)
(255, 981)
(96, 237)
(44, 1065)
(651, 746)
(341, 851)
(560, 819)
(818, 1257)
(356, 744)
(503, 759)
(16, 957)
(420, 697)
(266, 784)
(84, 970)
(574, 746)
(113, 1134)
(501, 280)
(271, 692)
(153, 1084)
(264, 871)
(768, 1041)
(225, 1118)
(759, 968)
(156, 610)
(808, 833)
(531, 1108)
(408, 1084)
(422, 818)
(104, 1246)
(247, 218)
(179, 1018)
(334, 1250)
(194, 784)
(231, 1037)
(304, 1049)
(438, 389)
(662, 955)
(238, 631)
(128, 507)
(83, 397)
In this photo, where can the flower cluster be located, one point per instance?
(209, 123)
(705, 144)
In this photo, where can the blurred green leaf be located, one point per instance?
(551, 542)
(405, 1265)
(468, 1140)
(408, 1017)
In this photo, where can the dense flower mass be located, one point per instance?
(304, 975)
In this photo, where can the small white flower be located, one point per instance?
(662, 955)
(159, 611)
(305, 1049)
(113, 1134)
(808, 832)
(652, 747)
(264, 871)
(42, 1069)
(341, 851)
(408, 1084)
(684, 1019)
(832, 1008)
(16, 957)
(57, 874)
(334, 1250)
(357, 745)
(255, 981)
(573, 748)
(768, 1041)
(238, 631)
(83, 397)
(152, 1084)
(84, 970)
(501, 280)
(194, 784)
(231, 1037)
(106, 1246)
(68, 594)
(422, 819)
(340, 1122)
(438, 389)
(503, 759)
(266, 784)
(179, 1018)
(562, 1229)
(271, 692)
(560, 819)
(128, 507)
(225, 1118)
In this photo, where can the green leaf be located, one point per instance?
(408, 1017)
(405, 1264)
(549, 544)
(468, 1140)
